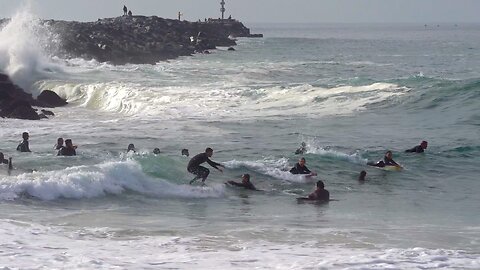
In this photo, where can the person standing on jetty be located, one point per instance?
(200, 171)
(125, 9)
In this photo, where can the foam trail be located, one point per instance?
(23, 41)
(275, 168)
(97, 181)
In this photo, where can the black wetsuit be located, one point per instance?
(416, 149)
(65, 151)
(200, 171)
(300, 170)
(23, 147)
(248, 185)
(320, 195)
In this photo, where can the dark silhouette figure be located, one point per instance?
(131, 147)
(68, 149)
(419, 148)
(125, 9)
(362, 176)
(24, 146)
(201, 172)
(245, 183)
(130, 13)
(320, 194)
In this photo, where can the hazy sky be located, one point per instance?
(301, 11)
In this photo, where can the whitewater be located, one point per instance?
(350, 92)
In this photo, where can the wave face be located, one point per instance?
(84, 182)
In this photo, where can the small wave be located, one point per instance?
(97, 181)
(356, 158)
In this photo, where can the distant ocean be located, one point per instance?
(350, 92)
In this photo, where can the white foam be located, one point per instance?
(99, 180)
(217, 101)
(92, 248)
(23, 44)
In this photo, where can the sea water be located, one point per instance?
(350, 92)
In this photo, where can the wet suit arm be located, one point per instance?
(215, 164)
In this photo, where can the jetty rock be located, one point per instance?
(141, 39)
(16, 103)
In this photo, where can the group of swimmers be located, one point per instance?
(66, 148)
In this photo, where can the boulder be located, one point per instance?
(51, 99)
(19, 109)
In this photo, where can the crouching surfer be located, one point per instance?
(245, 183)
(200, 171)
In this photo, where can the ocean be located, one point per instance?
(350, 92)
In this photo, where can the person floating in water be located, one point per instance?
(24, 145)
(419, 148)
(59, 144)
(320, 194)
(156, 151)
(362, 176)
(131, 147)
(68, 149)
(202, 172)
(245, 182)
(387, 161)
(302, 150)
(185, 152)
(125, 9)
(7, 162)
(300, 168)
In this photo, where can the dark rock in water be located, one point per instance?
(4, 78)
(46, 112)
(42, 116)
(231, 49)
(19, 109)
(51, 99)
(15, 102)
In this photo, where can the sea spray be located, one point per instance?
(24, 43)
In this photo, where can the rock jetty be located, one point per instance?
(141, 39)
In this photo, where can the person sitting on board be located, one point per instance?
(245, 182)
(24, 145)
(387, 161)
(185, 152)
(302, 150)
(419, 148)
(131, 147)
(362, 176)
(59, 144)
(320, 194)
(4, 161)
(202, 172)
(68, 149)
(300, 168)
